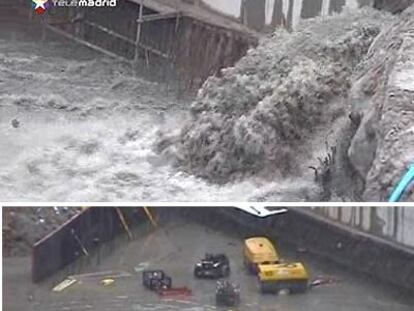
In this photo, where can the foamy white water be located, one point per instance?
(87, 130)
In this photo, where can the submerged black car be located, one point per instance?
(212, 266)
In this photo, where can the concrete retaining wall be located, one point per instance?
(359, 251)
(394, 224)
(258, 14)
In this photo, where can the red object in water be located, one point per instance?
(179, 291)
(40, 10)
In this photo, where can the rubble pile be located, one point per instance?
(261, 116)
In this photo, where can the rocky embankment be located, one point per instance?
(382, 101)
(394, 6)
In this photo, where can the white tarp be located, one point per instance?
(261, 211)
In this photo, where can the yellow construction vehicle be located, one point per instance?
(259, 250)
(292, 277)
(261, 258)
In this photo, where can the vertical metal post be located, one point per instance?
(31, 15)
(396, 222)
(139, 28)
(177, 22)
(43, 30)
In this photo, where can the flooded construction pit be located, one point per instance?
(175, 245)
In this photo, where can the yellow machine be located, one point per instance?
(262, 258)
(259, 250)
(286, 276)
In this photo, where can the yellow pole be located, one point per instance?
(123, 221)
(150, 216)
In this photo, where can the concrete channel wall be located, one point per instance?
(393, 224)
(361, 252)
(258, 14)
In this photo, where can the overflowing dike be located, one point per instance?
(299, 118)
(327, 84)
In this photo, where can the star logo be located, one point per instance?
(40, 6)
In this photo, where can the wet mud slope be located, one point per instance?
(175, 246)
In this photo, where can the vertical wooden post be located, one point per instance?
(138, 37)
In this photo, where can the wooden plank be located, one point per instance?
(154, 51)
(155, 17)
(123, 222)
(117, 35)
(102, 274)
(85, 43)
(150, 216)
(109, 32)
(63, 285)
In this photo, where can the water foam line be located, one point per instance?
(403, 185)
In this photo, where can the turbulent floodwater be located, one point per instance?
(87, 126)
(76, 126)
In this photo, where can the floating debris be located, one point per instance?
(64, 285)
(15, 123)
(141, 267)
(107, 282)
(323, 280)
(102, 274)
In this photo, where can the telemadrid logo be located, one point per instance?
(40, 6)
